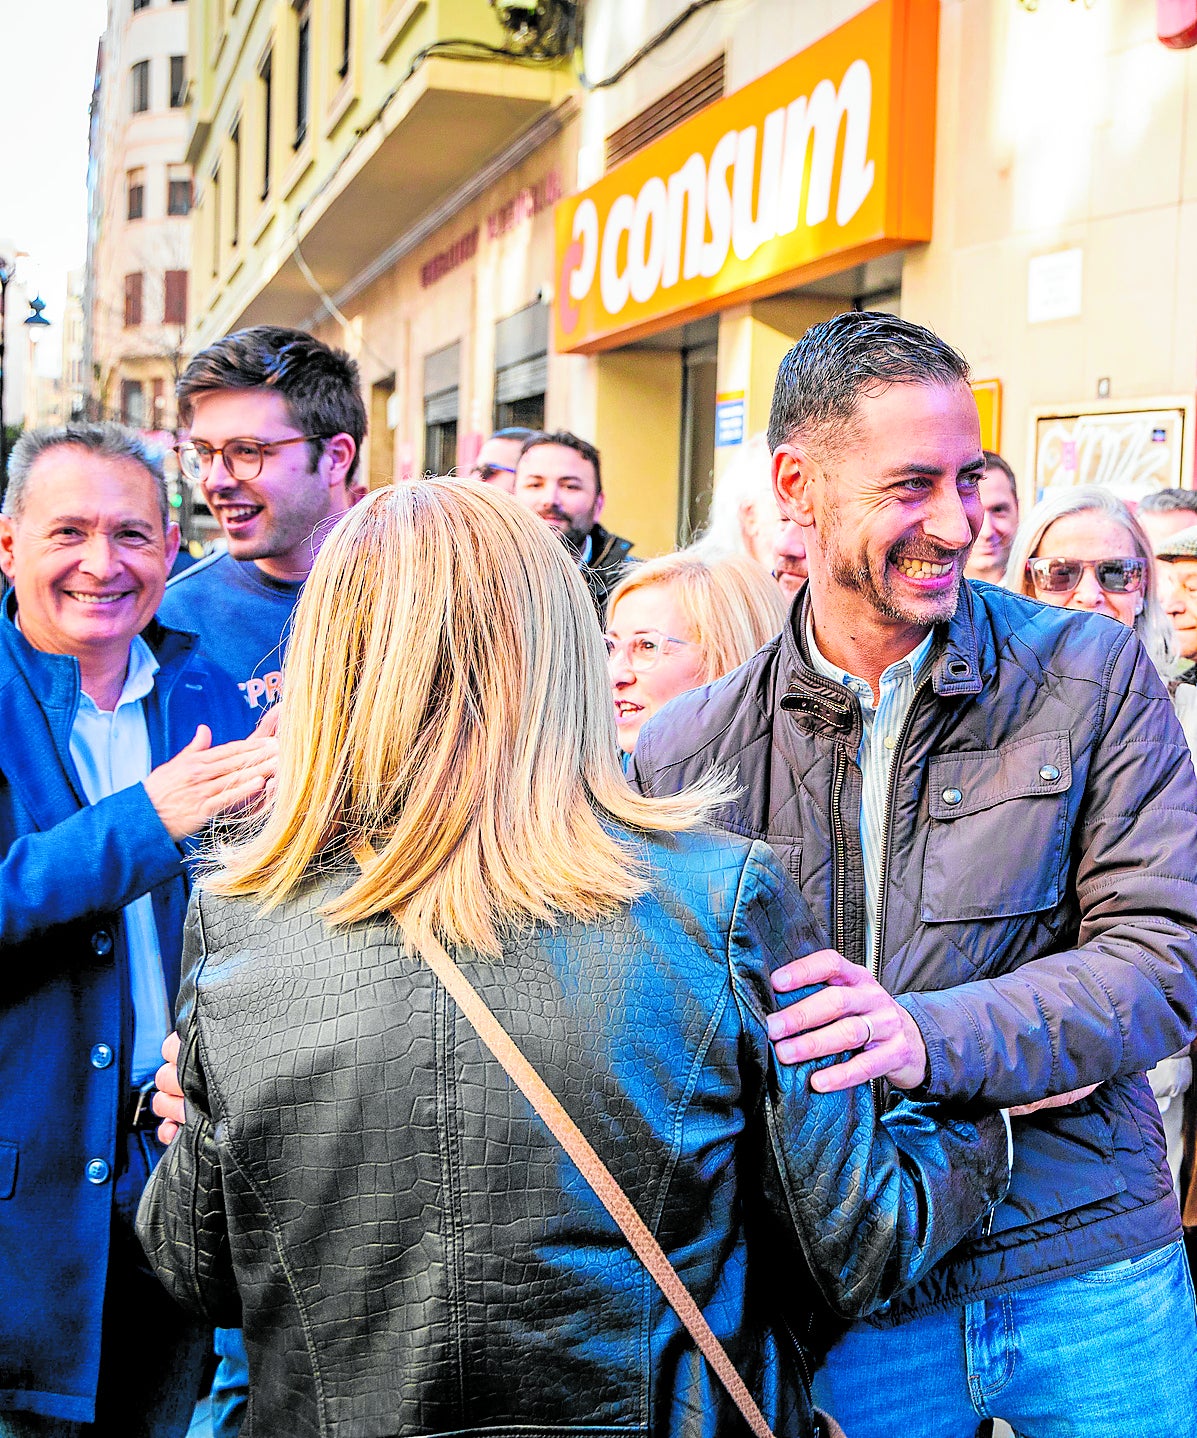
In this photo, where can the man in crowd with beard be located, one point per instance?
(789, 557)
(558, 477)
(984, 800)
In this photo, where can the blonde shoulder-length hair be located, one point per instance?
(1151, 624)
(446, 700)
(732, 605)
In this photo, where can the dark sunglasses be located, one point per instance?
(1061, 576)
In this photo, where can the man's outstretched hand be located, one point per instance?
(851, 1011)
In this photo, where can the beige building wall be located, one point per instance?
(1066, 128)
(1063, 129)
(151, 145)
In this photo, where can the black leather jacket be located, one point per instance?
(412, 1253)
(1038, 906)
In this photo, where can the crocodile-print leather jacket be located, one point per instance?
(408, 1249)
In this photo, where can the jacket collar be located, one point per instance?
(955, 664)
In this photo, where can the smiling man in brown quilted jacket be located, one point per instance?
(989, 805)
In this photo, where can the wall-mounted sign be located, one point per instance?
(1055, 286)
(729, 419)
(1133, 447)
(530, 201)
(821, 164)
(446, 261)
(988, 394)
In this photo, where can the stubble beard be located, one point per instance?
(877, 592)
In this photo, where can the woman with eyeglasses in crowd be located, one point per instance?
(681, 621)
(1083, 549)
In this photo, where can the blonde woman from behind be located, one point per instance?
(680, 621)
(409, 1249)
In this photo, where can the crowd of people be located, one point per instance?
(835, 885)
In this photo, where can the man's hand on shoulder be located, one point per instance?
(850, 1012)
(201, 782)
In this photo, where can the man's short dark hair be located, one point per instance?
(107, 440)
(320, 385)
(1169, 501)
(861, 352)
(568, 441)
(993, 460)
(515, 431)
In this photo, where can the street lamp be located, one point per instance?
(35, 322)
(8, 268)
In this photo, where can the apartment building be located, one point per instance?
(625, 242)
(140, 233)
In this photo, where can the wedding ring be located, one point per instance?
(869, 1027)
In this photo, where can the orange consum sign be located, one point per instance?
(822, 163)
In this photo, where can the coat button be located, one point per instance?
(951, 796)
(101, 943)
(96, 1171)
(1049, 773)
(102, 1056)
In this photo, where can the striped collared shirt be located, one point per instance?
(883, 723)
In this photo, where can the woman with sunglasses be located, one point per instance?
(680, 621)
(1084, 549)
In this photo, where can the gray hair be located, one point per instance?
(1169, 501)
(109, 441)
(857, 353)
(1151, 624)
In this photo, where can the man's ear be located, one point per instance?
(7, 524)
(794, 475)
(339, 452)
(598, 504)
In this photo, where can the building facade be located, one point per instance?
(627, 246)
(141, 194)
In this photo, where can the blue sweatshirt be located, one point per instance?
(242, 617)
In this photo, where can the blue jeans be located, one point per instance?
(1107, 1354)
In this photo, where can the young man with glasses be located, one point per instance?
(276, 425)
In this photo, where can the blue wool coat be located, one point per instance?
(67, 868)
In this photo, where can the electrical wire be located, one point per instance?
(642, 53)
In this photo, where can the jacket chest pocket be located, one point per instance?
(997, 842)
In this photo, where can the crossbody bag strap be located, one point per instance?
(593, 1170)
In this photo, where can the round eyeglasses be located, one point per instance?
(242, 458)
(1061, 576)
(643, 651)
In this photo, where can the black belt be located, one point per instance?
(139, 1112)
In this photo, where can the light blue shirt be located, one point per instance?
(112, 752)
(883, 724)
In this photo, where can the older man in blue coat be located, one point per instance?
(117, 742)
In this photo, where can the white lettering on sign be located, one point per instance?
(686, 225)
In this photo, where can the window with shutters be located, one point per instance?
(702, 88)
(178, 201)
(140, 86)
(303, 72)
(174, 300)
(135, 190)
(133, 285)
(266, 76)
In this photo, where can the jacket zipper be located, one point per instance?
(891, 790)
(839, 917)
(883, 878)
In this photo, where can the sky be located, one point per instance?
(47, 65)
